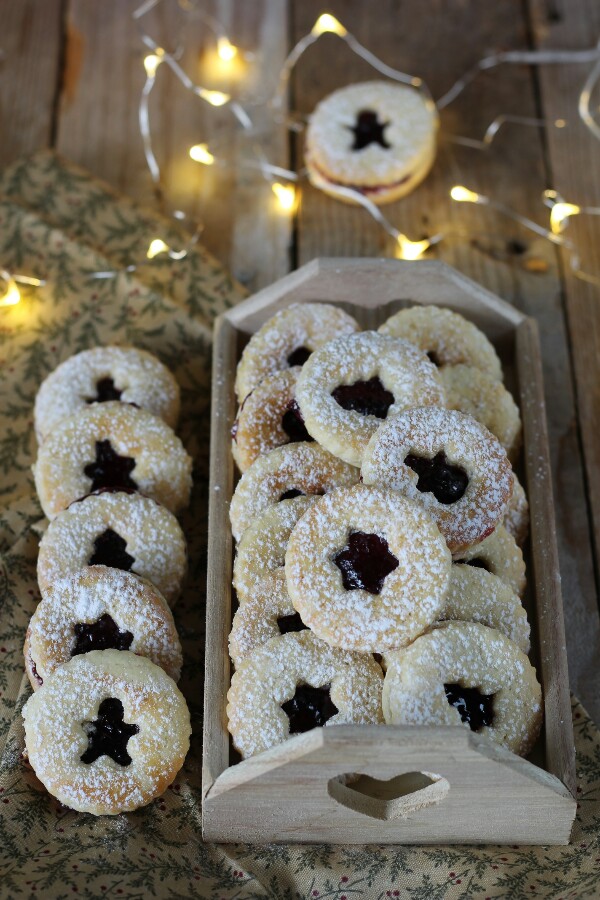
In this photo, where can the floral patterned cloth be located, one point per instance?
(58, 223)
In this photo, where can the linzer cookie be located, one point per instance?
(107, 733)
(367, 569)
(499, 554)
(516, 518)
(462, 672)
(119, 529)
(376, 137)
(112, 445)
(287, 339)
(350, 385)
(106, 373)
(448, 462)
(296, 682)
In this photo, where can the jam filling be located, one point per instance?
(365, 562)
(293, 492)
(103, 634)
(369, 398)
(368, 130)
(434, 358)
(478, 562)
(109, 550)
(310, 707)
(475, 708)
(293, 622)
(298, 356)
(446, 482)
(109, 734)
(105, 390)
(293, 423)
(109, 469)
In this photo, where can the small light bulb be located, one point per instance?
(152, 62)
(286, 195)
(200, 153)
(215, 98)
(408, 249)
(156, 246)
(12, 295)
(464, 195)
(226, 50)
(327, 22)
(559, 214)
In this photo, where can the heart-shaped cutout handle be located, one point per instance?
(395, 798)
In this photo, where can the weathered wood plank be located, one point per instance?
(30, 43)
(488, 248)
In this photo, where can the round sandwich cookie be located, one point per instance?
(106, 373)
(516, 518)
(463, 672)
(445, 336)
(284, 473)
(107, 733)
(350, 385)
(258, 620)
(499, 554)
(448, 462)
(367, 569)
(377, 138)
(295, 683)
(98, 608)
(287, 339)
(112, 445)
(119, 529)
(269, 417)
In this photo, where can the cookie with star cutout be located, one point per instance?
(377, 138)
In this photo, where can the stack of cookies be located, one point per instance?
(107, 729)
(378, 569)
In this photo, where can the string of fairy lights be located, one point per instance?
(285, 184)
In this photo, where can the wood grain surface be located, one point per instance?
(71, 75)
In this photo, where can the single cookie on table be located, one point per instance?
(284, 473)
(287, 339)
(106, 373)
(98, 608)
(112, 445)
(478, 596)
(351, 384)
(499, 554)
(463, 672)
(445, 336)
(269, 417)
(516, 518)
(448, 462)
(367, 569)
(107, 733)
(478, 394)
(377, 138)
(296, 682)
(120, 529)
(258, 568)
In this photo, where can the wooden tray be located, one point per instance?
(416, 784)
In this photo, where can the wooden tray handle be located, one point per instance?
(391, 798)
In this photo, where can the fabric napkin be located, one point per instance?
(59, 223)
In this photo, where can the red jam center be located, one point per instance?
(369, 398)
(475, 708)
(109, 550)
(293, 423)
(109, 469)
(293, 622)
(446, 482)
(298, 356)
(310, 707)
(365, 562)
(293, 492)
(105, 390)
(104, 634)
(369, 130)
(108, 734)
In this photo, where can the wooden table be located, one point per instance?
(71, 78)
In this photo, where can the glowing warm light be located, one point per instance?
(286, 195)
(328, 23)
(152, 62)
(226, 50)
(464, 195)
(200, 153)
(156, 246)
(215, 98)
(559, 214)
(408, 249)
(11, 295)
